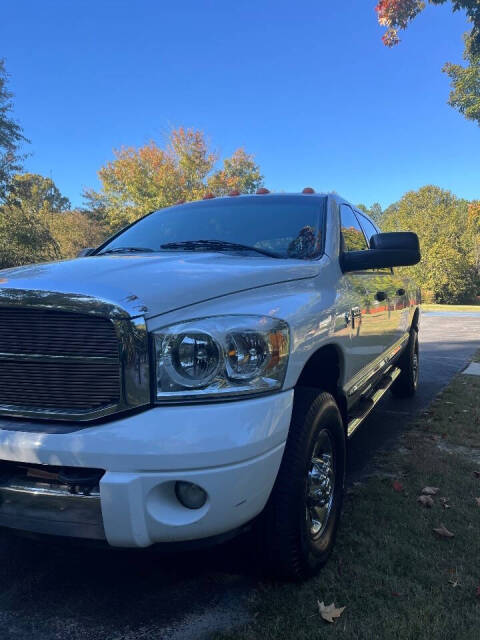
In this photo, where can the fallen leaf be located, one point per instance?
(444, 503)
(329, 612)
(455, 579)
(430, 491)
(443, 532)
(477, 500)
(426, 501)
(397, 486)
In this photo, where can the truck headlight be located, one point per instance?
(220, 356)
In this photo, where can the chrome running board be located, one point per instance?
(367, 403)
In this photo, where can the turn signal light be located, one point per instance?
(261, 191)
(308, 190)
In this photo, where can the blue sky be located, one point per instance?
(307, 86)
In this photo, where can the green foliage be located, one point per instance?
(36, 193)
(32, 222)
(11, 135)
(140, 180)
(447, 272)
(465, 93)
(239, 173)
(24, 237)
(73, 231)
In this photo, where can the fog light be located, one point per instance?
(190, 495)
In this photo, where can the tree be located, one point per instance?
(447, 272)
(473, 225)
(465, 95)
(140, 180)
(11, 134)
(375, 212)
(24, 237)
(36, 193)
(239, 173)
(32, 222)
(73, 231)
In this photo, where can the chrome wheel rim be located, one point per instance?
(320, 485)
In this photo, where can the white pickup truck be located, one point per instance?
(201, 371)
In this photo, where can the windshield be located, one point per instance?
(284, 226)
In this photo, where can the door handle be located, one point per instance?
(400, 292)
(380, 296)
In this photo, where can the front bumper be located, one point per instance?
(232, 450)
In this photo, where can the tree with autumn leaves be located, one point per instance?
(449, 232)
(139, 180)
(396, 15)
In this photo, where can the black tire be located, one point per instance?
(405, 386)
(290, 546)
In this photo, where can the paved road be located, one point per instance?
(62, 592)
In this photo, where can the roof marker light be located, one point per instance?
(235, 192)
(208, 196)
(261, 191)
(308, 190)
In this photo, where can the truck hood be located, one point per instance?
(150, 285)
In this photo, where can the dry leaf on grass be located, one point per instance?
(397, 486)
(430, 491)
(455, 578)
(444, 503)
(426, 501)
(443, 532)
(477, 500)
(329, 612)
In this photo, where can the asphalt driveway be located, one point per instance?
(59, 591)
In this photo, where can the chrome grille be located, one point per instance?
(58, 361)
(38, 331)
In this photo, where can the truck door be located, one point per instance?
(387, 286)
(367, 314)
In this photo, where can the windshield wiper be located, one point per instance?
(126, 250)
(217, 245)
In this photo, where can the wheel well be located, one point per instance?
(323, 371)
(415, 319)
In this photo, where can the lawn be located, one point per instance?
(396, 577)
(451, 307)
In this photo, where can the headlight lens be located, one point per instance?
(220, 356)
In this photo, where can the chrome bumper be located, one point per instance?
(47, 508)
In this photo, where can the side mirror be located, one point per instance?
(400, 249)
(83, 253)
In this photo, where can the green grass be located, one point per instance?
(393, 574)
(451, 307)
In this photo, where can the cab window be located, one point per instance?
(352, 234)
(368, 226)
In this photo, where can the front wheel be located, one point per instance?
(301, 518)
